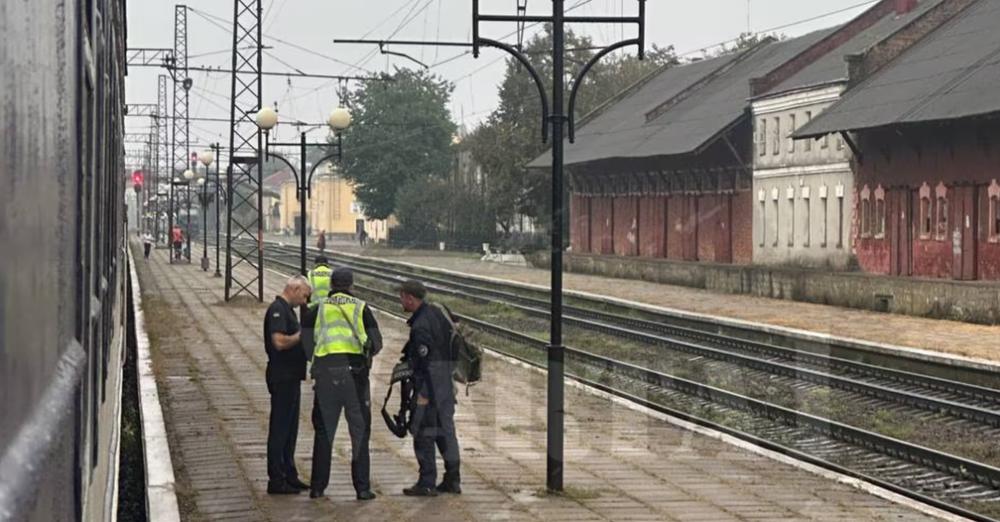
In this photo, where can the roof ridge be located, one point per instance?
(624, 93)
(662, 108)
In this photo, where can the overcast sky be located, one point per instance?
(688, 25)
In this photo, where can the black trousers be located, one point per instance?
(146, 247)
(434, 427)
(283, 429)
(341, 390)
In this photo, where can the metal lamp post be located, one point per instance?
(188, 176)
(339, 120)
(218, 188)
(206, 157)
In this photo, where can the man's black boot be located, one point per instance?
(298, 484)
(420, 491)
(449, 487)
(281, 488)
(366, 495)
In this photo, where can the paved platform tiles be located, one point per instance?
(621, 464)
(952, 337)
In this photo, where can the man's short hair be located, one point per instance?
(341, 279)
(297, 281)
(414, 288)
(322, 260)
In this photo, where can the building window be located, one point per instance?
(826, 214)
(926, 212)
(790, 195)
(840, 219)
(762, 198)
(866, 212)
(806, 217)
(825, 142)
(762, 137)
(994, 212)
(808, 143)
(879, 212)
(777, 215)
(791, 130)
(840, 142)
(776, 146)
(941, 193)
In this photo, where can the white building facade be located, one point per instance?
(802, 189)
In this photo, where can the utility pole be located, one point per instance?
(245, 197)
(560, 118)
(163, 152)
(180, 142)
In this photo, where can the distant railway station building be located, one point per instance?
(665, 169)
(927, 166)
(803, 190)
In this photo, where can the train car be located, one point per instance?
(63, 264)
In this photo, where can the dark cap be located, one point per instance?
(322, 260)
(342, 278)
(414, 288)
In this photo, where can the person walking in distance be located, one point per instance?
(286, 369)
(177, 238)
(347, 337)
(321, 244)
(433, 420)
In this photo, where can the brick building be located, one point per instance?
(664, 170)
(926, 138)
(802, 210)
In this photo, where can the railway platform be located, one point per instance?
(970, 344)
(622, 463)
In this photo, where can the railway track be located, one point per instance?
(958, 484)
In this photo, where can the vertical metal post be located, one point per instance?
(204, 221)
(555, 412)
(302, 183)
(217, 203)
(170, 222)
(187, 232)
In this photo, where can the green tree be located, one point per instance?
(401, 131)
(511, 136)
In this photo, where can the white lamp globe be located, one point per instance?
(206, 157)
(339, 119)
(188, 174)
(267, 118)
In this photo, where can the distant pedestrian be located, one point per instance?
(363, 237)
(147, 245)
(321, 242)
(177, 238)
(347, 337)
(433, 420)
(286, 369)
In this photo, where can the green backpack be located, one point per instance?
(468, 357)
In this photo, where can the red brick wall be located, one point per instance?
(965, 159)
(626, 226)
(742, 227)
(652, 226)
(601, 220)
(579, 232)
(709, 216)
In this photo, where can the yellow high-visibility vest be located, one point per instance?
(333, 326)
(319, 280)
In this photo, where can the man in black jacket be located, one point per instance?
(433, 420)
(286, 369)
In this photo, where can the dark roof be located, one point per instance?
(952, 73)
(831, 67)
(622, 131)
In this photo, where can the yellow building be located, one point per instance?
(332, 207)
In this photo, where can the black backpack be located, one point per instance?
(468, 357)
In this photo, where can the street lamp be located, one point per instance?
(338, 121)
(188, 176)
(206, 157)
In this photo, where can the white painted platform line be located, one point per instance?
(161, 496)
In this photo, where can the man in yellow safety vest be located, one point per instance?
(347, 336)
(319, 280)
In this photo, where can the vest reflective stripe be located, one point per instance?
(333, 332)
(319, 280)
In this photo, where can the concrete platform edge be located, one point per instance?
(161, 498)
(882, 348)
